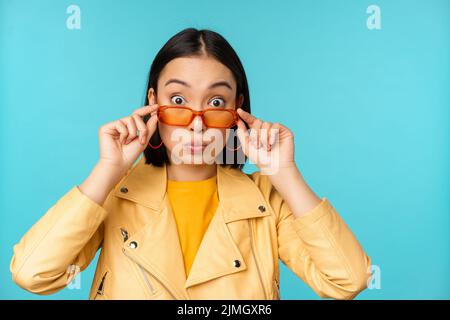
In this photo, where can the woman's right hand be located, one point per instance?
(119, 144)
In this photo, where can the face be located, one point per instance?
(199, 83)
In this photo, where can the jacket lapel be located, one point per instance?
(159, 250)
(239, 198)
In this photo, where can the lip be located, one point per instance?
(196, 144)
(193, 148)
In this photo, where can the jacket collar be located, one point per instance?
(146, 185)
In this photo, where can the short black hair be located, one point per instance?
(188, 43)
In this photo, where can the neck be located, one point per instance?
(189, 172)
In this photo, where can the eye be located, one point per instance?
(218, 102)
(177, 99)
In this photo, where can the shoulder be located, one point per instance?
(268, 191)
(256, 182)
(261, 181)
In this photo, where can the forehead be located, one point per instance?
(198, 72)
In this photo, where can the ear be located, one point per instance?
(151, 96)
(240, 101)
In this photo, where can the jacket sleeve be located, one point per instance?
(60, 244)
(320, 248)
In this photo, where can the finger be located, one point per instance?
(255, 133)
(265, 134)
(110, 129)
(143, 131)
(146, 110)
(274, 133)
(122, 129)
(243, 135)
(131, 127)
(247, 117)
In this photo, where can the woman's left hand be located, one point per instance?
(270, 146)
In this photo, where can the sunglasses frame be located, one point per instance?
(197, 113)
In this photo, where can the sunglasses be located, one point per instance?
(183, 116)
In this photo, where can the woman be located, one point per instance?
(184, 223)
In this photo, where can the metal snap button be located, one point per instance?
(124, 189)
(133, 245)
(124, 234)
(262, 208)
(237, 263)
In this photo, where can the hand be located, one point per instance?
(266, 143)
(120, 146)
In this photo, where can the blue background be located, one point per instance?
(369, 110)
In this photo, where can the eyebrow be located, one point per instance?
(214, 85)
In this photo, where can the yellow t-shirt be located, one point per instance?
(193, 204)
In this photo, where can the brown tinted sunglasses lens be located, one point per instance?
(175, 116)
(181, 117)
(218, 118)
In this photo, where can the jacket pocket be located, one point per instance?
(141, 273)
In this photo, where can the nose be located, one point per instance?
(197, 124)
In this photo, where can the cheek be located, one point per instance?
(166, 133)
(217, 136)
(228, 135)
(173, 135)
(225, 135)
